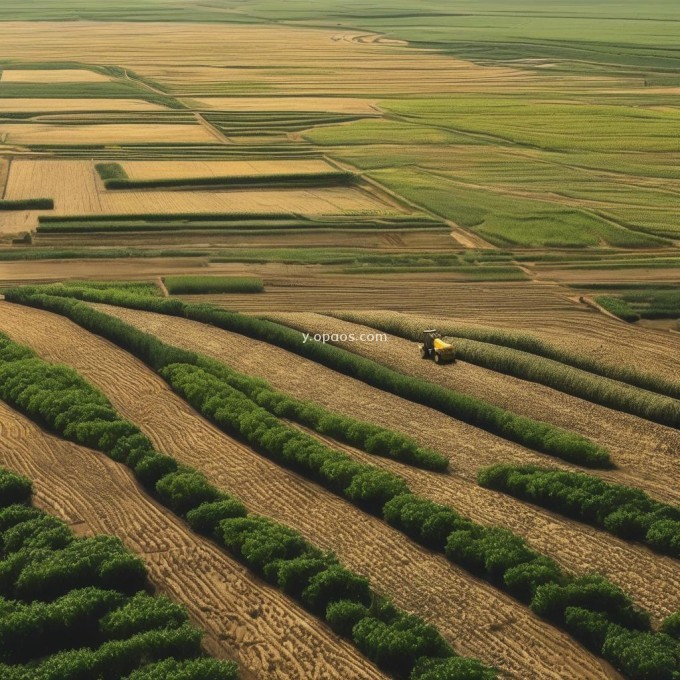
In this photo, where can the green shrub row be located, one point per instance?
(234, 412)
(119, 658)
(567, 379)
(197, 285)
(533, 345)
(60, 399)
(27, 204)
(108, 171)
(624, 511)
(76, 607)
(288, 180)
(359, 434)
(531, 433)
(370, 438)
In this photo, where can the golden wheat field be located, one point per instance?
(57, 75)
(144, 170)
(262, 103)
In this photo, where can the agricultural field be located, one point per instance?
(229, 449)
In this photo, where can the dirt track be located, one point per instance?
(244, 619)
(476, 618)
(653, 580)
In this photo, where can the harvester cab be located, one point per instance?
(433, 347)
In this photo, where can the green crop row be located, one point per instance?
(361, 435)
(288, 180)
(526, 431)
(28, 204)
(532, 345)
(549, 372)
(624, 511)
(197, 285)
(398, 642)
(76, 607)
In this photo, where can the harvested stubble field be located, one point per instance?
(576, 546)
(36, 104)
(439, 294)
(95, 495)
(44, 133)
(275, 104)
(56, 75)
(323, 60)
(477, 619)
(148, 170)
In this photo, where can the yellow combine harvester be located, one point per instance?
(433, 347)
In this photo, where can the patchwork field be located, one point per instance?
(229, 447)
(75, 189)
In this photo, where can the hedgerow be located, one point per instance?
(627, 512)
(552, 373)
(77, 607)
(198, 285)
(60, 399)
(288, 180)
(27, 204)
(531, 433)
(109, 171)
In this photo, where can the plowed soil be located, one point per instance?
(652, 579)
(244, 619)
(476, 618)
